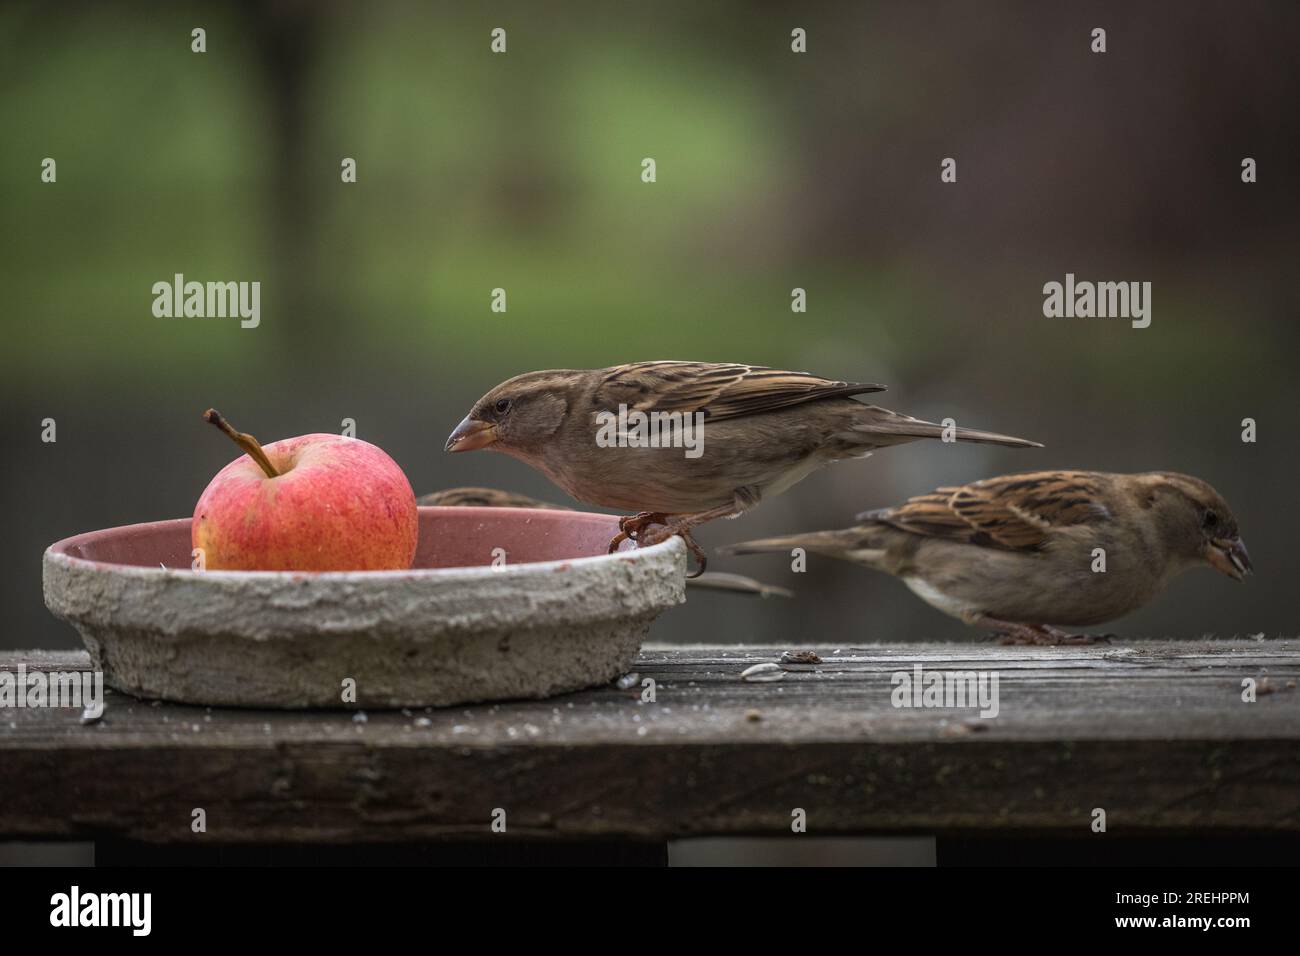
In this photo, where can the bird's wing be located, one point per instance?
(1014, 512)
(719, 391)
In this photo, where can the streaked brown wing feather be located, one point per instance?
(718, 390)
(1015, 512)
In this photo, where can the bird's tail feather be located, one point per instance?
(886, 427)
(833, 543)
(737, 584)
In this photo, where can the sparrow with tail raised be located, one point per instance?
(760, 430)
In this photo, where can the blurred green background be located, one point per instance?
(775, 170)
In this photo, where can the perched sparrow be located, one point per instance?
(760, 430)
(1020, 553)
(495, 498)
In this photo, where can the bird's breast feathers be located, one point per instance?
(952, 604)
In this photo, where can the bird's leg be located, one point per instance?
(633, 526)
(1056, 636)
(1059, 636)
(682, 525)
(1038, 634)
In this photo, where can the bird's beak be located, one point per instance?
(471, 434)
(1229, 556)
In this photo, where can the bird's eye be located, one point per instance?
(502, 406)
(1211, 519)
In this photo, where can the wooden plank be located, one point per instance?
(1156, 733)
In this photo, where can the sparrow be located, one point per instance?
(1025, 553)
(760, 431)
(495, 498)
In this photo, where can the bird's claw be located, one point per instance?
(632, 527)
(701, 559)
(636, 528)
(663, 534)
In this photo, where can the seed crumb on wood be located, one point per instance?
(800, 657)
(762, 672)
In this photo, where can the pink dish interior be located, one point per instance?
(449, 538)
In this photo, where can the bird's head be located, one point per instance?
(518, 415)
(1197, 524)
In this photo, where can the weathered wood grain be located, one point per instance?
(1156, 733)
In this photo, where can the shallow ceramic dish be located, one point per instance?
(558, 615)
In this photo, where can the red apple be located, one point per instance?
(312, 503)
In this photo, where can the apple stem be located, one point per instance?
(244, 441)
